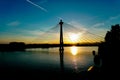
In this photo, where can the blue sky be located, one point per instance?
(24, 20)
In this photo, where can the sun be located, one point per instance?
(74, 37)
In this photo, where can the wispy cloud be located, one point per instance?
(34, 32)
(14, 23)
(114, 17)
(98, 24)
(37, 5)
(108, 21)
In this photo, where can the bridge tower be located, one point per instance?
(61, 49)
(61, 35)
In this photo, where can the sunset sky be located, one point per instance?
(30, 21)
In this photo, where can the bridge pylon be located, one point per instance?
(61, 35)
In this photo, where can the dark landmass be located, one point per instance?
(58, 45)
(21, 46)
(107, 61)
(13, 46)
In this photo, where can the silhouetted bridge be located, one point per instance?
(61, 35)
(64, 33)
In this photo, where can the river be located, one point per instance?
(76, 59)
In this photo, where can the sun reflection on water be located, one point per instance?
(74, 50)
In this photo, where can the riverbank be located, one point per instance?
(38, 74)
(21, 46)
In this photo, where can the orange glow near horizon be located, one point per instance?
(70, 38)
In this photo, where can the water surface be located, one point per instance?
(76, 59)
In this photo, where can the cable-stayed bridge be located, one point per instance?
(70, 34)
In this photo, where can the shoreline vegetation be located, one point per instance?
(21, 46)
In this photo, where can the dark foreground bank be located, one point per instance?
(16, 73)
(19, 73)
